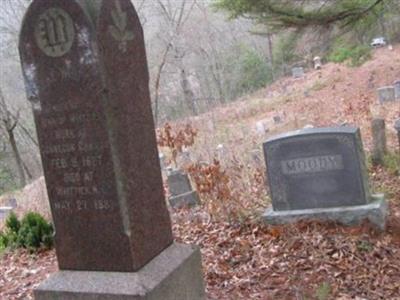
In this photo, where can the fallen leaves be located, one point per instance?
(255, 261)
(21, 272)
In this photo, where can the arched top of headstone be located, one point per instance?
(52, 28)
(120, 34)
(56, 43)
(123, 18)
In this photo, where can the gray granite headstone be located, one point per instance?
(181, 191)
(163, 161)
(319, 168)
(277, 119)
(5, 211)
(396, 85)
(378, 141)
(260, 128)
(256, 156)
(317, 63)
(397, 128)
(297, 72)
(12, 202)
(386, 94)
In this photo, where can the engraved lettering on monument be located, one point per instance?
(312, 164)
(100, 180)
(99, 153)
(320, 174)
(316, 168)
(54, 32)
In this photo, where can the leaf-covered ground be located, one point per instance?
(259, 262)
(255, 261)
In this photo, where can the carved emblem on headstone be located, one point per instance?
(54, 32)
(118, 30)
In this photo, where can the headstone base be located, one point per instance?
(175, 274)
(188, 199)
(375, 212)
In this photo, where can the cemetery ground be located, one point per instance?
(242, 258)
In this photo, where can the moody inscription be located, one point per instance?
(316, 168)
(312, 164)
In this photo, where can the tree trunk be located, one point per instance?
(188, 94)
(17, 156)
(270, 49)
(157, 83)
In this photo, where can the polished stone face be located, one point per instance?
(316, 168)
(89, 91)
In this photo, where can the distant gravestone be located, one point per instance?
(261, 128)
(256, 157)
(220, 152)
(397, 128)
(320, 173)
(87, 80)
(396, 85)
(181, 191)
(162, 160)
(4, 212)
(12, 202)
(317, 63)
(378, 141)
(297, 72)
(277, 119)
(184, 158)
(386, 94)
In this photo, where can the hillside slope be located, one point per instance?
(334, 95)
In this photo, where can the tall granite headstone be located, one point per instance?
(320, 173)
(85, 71)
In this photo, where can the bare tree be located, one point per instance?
(174, 17)
(9, 122)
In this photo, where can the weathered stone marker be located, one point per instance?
(85, 70)
(5, 211)
(181, 190)
(277, 119)
(397, 128)
(320, 173)
(297, 72)
(378, 141)
(386, 94)
(396, 85)
(317, 63)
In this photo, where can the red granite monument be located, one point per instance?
(86, 76)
